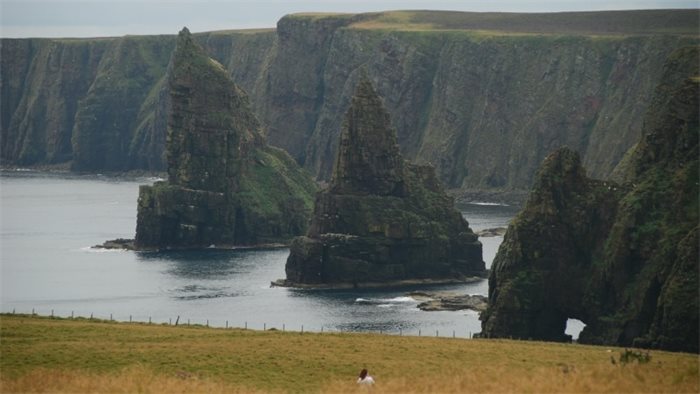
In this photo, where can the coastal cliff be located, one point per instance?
(101, 104)
(381, 219)
(483, 97)
(225, 185)
(622, 258)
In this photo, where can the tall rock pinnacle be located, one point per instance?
(225, 185)
(211, 126)
(381, 220)
(369, 160)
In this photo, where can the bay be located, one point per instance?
(50, 221)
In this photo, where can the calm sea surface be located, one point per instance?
(49, 223)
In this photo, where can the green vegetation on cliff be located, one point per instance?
(103, 136)
(560, 23)
(620, 257)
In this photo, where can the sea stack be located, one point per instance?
(620, 257)
(225, 185)
(381, 219)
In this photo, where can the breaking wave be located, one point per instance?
(384, 302)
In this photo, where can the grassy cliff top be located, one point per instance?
(630, 22)
(65, 355)
(634, 22)
(237, 31)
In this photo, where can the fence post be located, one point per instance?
(178, 320)
(90, 315)
(32, 311)
(149, 320)
(226, 323)
(264, 326)
(129, 318)
(436, 333)
(13, 312)
(418, 332)
(453, 333)
(302, 328)
(246, 325)
(283, 327)
(207, 322)
(71, 314)
(110, 317)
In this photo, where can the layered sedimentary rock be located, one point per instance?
(225, 185)
(482, 97)
(381, 219)
(622, 258)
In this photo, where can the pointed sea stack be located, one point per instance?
(381, 220)
(225, 185)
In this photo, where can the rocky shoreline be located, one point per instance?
(371, 285)
(128, 244)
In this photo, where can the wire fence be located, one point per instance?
(257, 326)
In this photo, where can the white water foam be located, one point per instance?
(401, 299)
(383, 302)
(91, 249)
(491, 204)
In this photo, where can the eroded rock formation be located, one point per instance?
(622, 258)
(381, 219)
(225, 185)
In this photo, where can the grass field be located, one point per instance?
(63, 355)
(632, 22)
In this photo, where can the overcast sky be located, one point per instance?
(99, 18)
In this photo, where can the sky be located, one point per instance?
(103, 18)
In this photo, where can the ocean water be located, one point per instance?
(50, 221)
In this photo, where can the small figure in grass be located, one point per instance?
(364, 379)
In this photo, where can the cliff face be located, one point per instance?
(102, 136)
(381, 219)
(225, 185)
(622, 258)
(482, 97)
(43, 82)
(101, 104)
(484, 107)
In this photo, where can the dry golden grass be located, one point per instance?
(562, 379)
(135, 379)
(54, 355)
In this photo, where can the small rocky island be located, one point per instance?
(381, 219)
(225, 185)
(431, 301)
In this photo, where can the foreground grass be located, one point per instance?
(62, 355)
